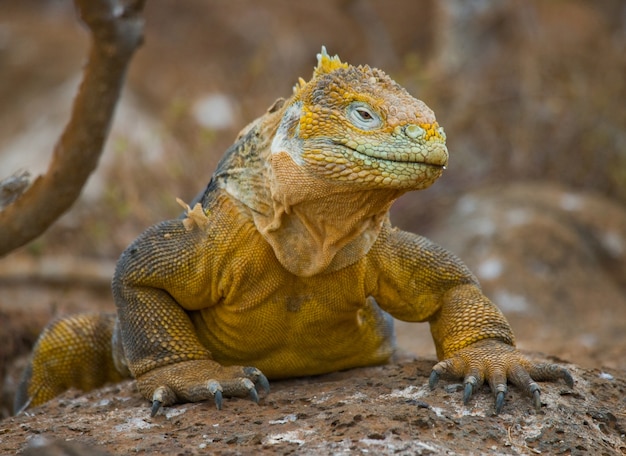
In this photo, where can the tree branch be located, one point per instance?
(117, 30)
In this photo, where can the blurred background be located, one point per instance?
(532, 95)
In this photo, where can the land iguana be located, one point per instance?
(287, 265)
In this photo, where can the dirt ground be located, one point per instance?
(533, 202)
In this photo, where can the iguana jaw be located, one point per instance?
(410, 144)
(413, 169)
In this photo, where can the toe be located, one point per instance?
(550, 372)
(449, 368)
(162, 396)
(522, 379)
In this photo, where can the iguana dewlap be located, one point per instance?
(288, 265)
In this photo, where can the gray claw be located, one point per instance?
(162, 395)
(537, 400)
(156, 405)
(500, 392)
(536, 393)
(264, 383)
(433, 379)
(218, 400)
(467, 393)
(249, 385)
(254, 396)
(258, 378)
(567, 377)
(215, 389)
(499, 402)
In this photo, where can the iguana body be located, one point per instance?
(288, 263)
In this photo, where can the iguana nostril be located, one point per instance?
(441, 133)
(414, 131)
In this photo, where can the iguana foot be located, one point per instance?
(199, 380)
(497, 363)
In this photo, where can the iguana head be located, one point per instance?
(320, 170)
(355, 125)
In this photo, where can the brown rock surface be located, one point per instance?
(379, 410)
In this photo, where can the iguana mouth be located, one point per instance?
(436, 158)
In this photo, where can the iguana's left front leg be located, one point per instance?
(420, 281)
(475, 342)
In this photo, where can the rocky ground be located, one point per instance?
(378, 410)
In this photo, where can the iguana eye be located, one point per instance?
(363, 116)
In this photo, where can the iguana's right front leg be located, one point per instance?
(165, 356)
(160, 343)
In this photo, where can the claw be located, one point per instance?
(156, 405)
(467, 393)
(470, 383)
(160, 396)
(433, 379)
(218, 400)
(258, 378)
(567, 377)
(215, 389)
(264, 383)
(249, 385)
(537, 400)
(499, 402)
(536, 393)
(254, 396)
(501, 391)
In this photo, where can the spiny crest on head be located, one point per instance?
(325, 64)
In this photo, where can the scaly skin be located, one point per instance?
(288, 265)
